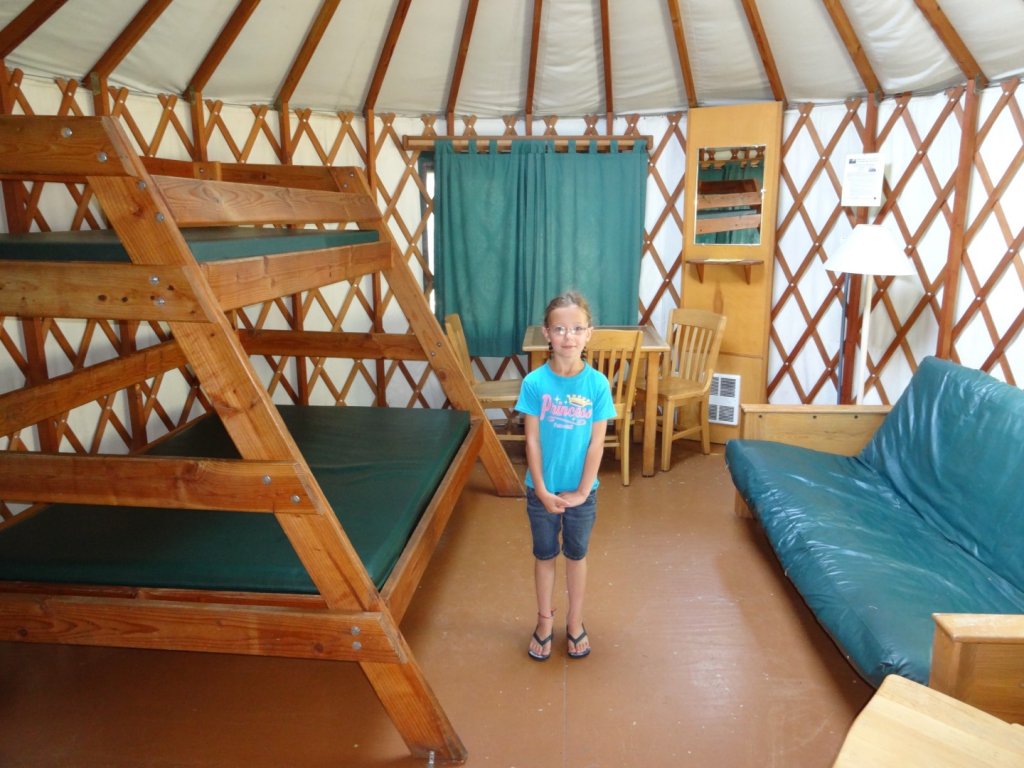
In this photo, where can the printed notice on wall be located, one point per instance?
(862, 180)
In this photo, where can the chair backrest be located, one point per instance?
(457, 338)
(616, 354)
(695, 336)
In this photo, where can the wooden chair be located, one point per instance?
(502, 393)
(617, 355)
(695, 336)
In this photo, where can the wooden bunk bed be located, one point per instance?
(257, 529)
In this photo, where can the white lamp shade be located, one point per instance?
(871, 249)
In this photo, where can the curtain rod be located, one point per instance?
(411, 143)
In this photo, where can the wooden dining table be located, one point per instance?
(652, 348)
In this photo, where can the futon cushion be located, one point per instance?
(952, 448)
(868, 565)
(378, 467)
(206, 243)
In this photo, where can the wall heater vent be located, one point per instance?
(724, 406)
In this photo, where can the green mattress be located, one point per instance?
(379, 467)
(207, 243)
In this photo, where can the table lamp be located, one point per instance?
(870, 250)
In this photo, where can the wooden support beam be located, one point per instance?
(414, 709)
(195, 203)
(460, 62)
(189, 626)
(219, 49)
(764, 50)
(854, 316)
(606, 58)
(148, 481)
(64, 149)
(47, 399)
(842, 24)
(119, 292)
(958, 221)
(353, 346)
(504, 143)
(189, 169)
(305, 54)
(299, 176)
(386, 52)
(448, 370)
(954, 43)
(21, 27)
(531, 76)
(242, 282)
(123, 44)
(684, 57)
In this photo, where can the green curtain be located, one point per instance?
(514, 229)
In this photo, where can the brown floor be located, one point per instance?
(703, 656)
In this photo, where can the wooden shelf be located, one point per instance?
(747, 265)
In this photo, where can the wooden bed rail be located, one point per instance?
(149, 481)
(198, 203)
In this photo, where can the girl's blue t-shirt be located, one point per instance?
(567, 407)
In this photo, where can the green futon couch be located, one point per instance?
(927, 519)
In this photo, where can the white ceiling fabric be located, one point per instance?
(904, 51)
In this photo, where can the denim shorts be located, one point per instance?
(574, 524)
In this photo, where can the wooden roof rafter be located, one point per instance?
(386, 52)
(243, 11)
(952, 40)
(305, 54)
(842, 24)
(764, 49)
(460, 61)
(531, 77)
(121, 47)
(606, 53)
(684, 57)
(25, 23)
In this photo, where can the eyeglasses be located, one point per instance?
(561, 330)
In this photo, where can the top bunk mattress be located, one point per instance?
(208, 244)
(378, 467)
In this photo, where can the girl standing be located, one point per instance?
(566, 405)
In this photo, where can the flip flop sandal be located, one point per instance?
(542, 643)
(576, 641)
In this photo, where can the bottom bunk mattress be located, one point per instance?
(378, 467)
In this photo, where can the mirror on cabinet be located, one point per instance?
(730, 190)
